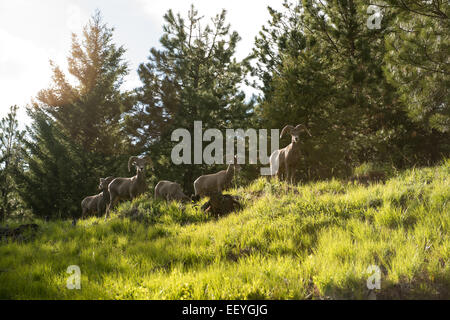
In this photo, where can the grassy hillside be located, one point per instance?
(311, 241)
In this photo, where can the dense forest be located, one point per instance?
(377, 96)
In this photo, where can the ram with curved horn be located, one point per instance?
(129, 188)
(286, 160)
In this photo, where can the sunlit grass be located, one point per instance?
(309, 241)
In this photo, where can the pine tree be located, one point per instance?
(80, 116)
(418, 63)
(77, 135)
(10, 162)
(89, 109)
(55, 178)
(193, 77)
(322, 66)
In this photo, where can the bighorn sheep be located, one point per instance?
(216, 182)
(288, 157)
(170, 191)
(97, 204)
(128, 188)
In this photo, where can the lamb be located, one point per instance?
(128, 188)
(288, 157)
(170, 191)
(207, 185)
(97, 204)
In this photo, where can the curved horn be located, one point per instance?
(304, 127)
(130, 162)
(109, 179)
(288, 128)
(309, 133)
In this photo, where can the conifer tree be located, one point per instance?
(10, 162)
(77, 136)
(321, 65)
(54, 180)
(89, 109)
(193, 77)
(418, 60)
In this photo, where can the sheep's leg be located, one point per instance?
(293, 175)
(288, 173)
(107, 211)
(279, 174)
(109, 206)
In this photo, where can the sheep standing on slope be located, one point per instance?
(170, 191)
(287, 159)
(216, 182)
(128, 188)
(97, 204)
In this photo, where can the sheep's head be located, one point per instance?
(104, 183)
(180, 196)
(295, 131)
(139, 163)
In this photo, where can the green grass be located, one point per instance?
(310, 241)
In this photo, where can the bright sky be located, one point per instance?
(33, 32)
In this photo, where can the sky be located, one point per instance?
(33, 32)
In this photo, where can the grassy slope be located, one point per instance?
(312, 241)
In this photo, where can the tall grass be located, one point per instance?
(309, 241)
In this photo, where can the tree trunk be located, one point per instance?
(3, 205)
